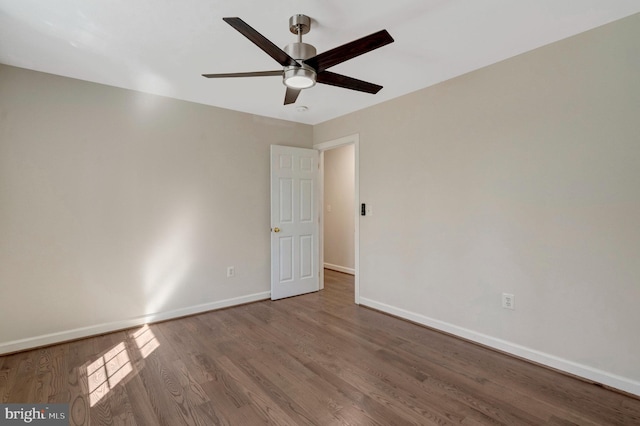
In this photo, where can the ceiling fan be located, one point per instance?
(302, 67)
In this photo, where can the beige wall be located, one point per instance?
(522, 177)
(118, 207)
(339, 227)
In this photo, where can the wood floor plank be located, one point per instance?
(8, 375)
(50, 365)
(80, 354)
(318, 406)
(142, 407)
(260, 400)
(316, 359)
(59, 387)
(24, 381)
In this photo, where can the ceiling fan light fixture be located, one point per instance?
(299, 78)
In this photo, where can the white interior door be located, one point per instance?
(295, 255)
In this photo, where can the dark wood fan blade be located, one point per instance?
(350, 50)
(333, 79)
(246, 74)
(291, 95)
(262, 42)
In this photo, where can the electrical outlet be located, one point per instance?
(231, 271)
(508, 301)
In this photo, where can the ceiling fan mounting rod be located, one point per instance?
(300, 24)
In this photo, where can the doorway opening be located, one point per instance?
(339, 224)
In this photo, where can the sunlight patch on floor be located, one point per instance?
(118, 363)
(145, 341)
(107, 371)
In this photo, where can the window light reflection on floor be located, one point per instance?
(145, 341)
(111, 368)
(107, 371)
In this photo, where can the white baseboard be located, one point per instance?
(580, 370)
(79, 333)
(339, 268)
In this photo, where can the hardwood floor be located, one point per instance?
(314, 359)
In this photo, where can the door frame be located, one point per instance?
(325, 146)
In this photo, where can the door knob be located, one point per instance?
(276, 229)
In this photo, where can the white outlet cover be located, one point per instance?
(508, 301)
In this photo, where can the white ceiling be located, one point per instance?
(162, 46)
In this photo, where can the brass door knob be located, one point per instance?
(276, 229)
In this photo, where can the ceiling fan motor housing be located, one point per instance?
(300, 51)
(304, 74)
